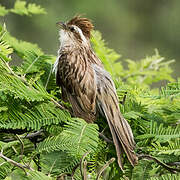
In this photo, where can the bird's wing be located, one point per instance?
(108, 105)
(78, 85)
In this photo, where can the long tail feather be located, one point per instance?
(121, 132)
(107, 102)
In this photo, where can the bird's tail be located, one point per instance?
(120, 129)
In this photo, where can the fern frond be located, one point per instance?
(173, 147)
(5, 168)
(19, 117)
(142, 170)
(57, 162)
(107, 55)
(161, 133)
(11, 83)
(21, 47)
(21, 9)
(5, 49)
(37, 175)
(3, 11)
(166, 177)
(148, 70)
(78, 138)
(172, 90)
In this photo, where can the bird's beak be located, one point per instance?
(61, 25)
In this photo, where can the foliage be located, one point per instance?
(40, 140)
(21, 8)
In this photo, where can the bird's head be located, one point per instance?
(77, 30)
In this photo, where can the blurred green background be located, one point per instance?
(134, 28)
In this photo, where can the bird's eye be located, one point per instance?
(72, 29)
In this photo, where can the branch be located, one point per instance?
(105, 138)
(22, 147)
(74, 170)
(83, 165)
(149, 157)
(14, 74)
(22, 78)
(57, 104)
(174, 163)
(29, 136)
(104, 167)
(19, 165)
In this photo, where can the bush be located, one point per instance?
(40, 140)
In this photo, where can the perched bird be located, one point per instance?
(88, 87)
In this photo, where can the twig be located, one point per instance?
(149, 157)
(31, 64)
(29, 136)
(131, 75)
(51, 168)
(57, 104)
(13, 73)
(50, 72)
(85, 170)
(74, 170)
(174, 163)
(61, 176)
(105, 138)
(23, 167)
(83, 167)
(104, 167)
(22, 147)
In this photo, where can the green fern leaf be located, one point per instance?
(161, 133)
(19, 117)
(173, 147)
(166, 177)
(108, 56)
(3, 11)
(58, 162)
(78, 138)
(20, 8)
(35, 9)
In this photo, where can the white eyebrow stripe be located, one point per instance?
(81, 34)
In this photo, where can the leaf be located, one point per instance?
(5, 49)
(20, 8)
(78, 138)
(18, 117)
(3, 11)
(107, 56)
(35, 9)
(57, 162)
(37, 175)
(160, 133)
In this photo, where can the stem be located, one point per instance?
(104, 167)
(149, 157)
(48, 77)
(23, 167)
(105, 138)
(83, 166)
(22, 147)
(57, 104)
(14, 74)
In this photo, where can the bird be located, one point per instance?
(88, 87)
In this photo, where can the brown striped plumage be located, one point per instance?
(88, 87)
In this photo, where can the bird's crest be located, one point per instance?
(83, 23)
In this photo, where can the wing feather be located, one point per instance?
(121, 131)
(77, 81)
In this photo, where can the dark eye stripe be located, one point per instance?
(72, 29)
